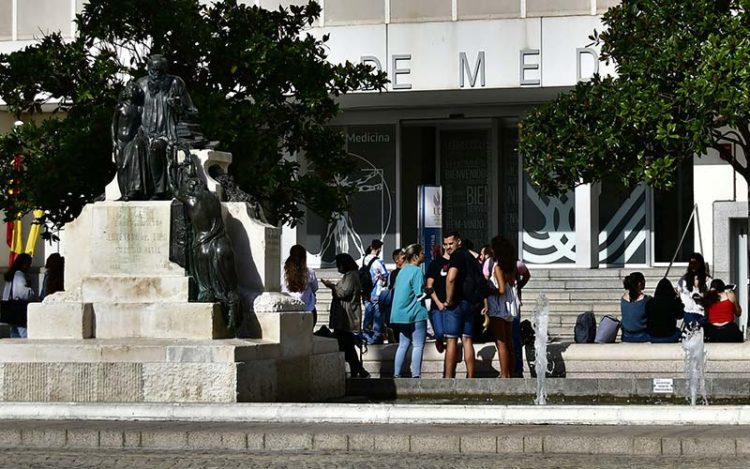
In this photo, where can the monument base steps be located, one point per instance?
(162, 370)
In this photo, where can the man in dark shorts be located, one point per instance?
(458, 318)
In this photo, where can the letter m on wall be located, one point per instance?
(477, 71)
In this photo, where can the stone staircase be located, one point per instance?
(570, 292)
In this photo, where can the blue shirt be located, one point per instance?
(405, 308)
(634, 315)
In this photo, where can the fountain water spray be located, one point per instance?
(540, 324)
(695, 363)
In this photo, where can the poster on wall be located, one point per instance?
(464, 177)
(430, 222)
(371, 214)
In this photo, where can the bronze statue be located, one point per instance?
(210, 255)
(146, 132)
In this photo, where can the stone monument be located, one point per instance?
(130, 327)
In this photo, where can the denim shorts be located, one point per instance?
(459, 321)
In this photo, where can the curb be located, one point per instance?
(668, 415)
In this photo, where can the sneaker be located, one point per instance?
(439, 346)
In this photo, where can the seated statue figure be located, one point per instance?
(210, 256)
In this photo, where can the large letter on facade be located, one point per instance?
(525, 66)
(465, 70)
(586, 51)
(400, 71)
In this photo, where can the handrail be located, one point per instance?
(693, 214)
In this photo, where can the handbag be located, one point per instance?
(512, 304)
(607, 331)
(13, 311)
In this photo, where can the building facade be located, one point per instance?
(462, 75)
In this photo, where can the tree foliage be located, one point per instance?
(263, 87)
(682, 87)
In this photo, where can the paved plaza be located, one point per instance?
(156, 459)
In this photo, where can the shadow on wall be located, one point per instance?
(554, 358)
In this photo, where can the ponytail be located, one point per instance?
(633, 283)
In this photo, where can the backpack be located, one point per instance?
(585, 329)
(365, 279)
(475, 287)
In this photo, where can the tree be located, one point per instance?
(682, 87)
(262, 85)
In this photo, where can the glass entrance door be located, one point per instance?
(465, 156)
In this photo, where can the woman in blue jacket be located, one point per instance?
(409, 313)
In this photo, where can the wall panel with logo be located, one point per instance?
(372, 214)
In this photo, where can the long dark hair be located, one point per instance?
(504, 254)
(55, 267)
(345, 263)
(634, 283)
(21, 262)
(712, 296)
(701, 273)
(664, 289)
(295, 269)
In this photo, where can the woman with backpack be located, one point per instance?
(408, 312)
(346, 312)
(502, 304)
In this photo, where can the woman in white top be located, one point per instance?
(692, 285)
(299, 280)
(17, 284)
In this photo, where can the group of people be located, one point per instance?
(698, 300)
(460, 286)
(18, 284)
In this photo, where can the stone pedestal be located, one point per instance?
(124, 330)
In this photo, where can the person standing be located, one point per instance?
(373, 321)
(459, 313)
(17, 288)
(408, 312)
(522, 278)
(437, 272)
(299, 280)
(503, 278)
(346, 312)
(385, 301)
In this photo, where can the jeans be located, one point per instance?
(18, 332)
(459, 321)
(410, 334)
(694, 317)
(373, 321)
(675, 337)
(436, 319)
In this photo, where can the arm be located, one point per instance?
(500, 279)
(313, 282)
(523, 275)
(731, 296)
(435, 300)
(450, 285)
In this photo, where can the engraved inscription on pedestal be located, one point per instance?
(134, 239)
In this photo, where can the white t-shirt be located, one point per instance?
(21, 289)
(307, 296)
(378, 273)
(686, 295)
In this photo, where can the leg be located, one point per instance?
(418, 339)
(377, 324)
(499, 327)
(346, 345)
(315, 317)
(469, 356)
(367, 320)
(451, 356)
(467, 316)
(404, 340)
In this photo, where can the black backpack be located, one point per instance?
(475, 287)
(365, 279)
(585, 330)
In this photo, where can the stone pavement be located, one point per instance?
(407, 439)
(144, 459)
